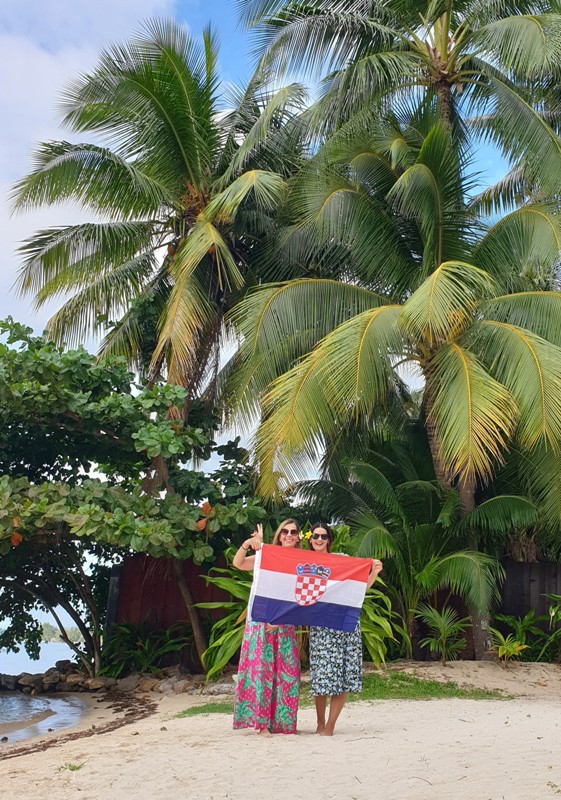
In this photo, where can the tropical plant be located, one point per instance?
(415, 527)
(60, 529)
(527, 631)
(551, 649)
(445, 628)
(227, 632)
(186, 190)
(431, 285)
(493, 68)
(141, 648)
(507, 647)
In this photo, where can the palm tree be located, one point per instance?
(493, 67)
(430, 284)
(415, 527)
(183, 193)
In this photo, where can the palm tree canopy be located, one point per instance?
(494, 67)
(182, 191)
(487, 348)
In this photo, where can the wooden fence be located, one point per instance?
(527, 585)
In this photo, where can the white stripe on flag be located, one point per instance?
(281, 585)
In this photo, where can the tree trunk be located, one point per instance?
(480, 622)
(194, 617)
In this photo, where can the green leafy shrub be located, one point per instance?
(506, 647)
(141, 648)
(446, 631)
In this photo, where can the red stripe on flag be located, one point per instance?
(286, 559)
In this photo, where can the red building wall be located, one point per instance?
(148, 592)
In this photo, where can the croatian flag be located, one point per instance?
(302, 587)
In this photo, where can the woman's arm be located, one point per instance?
(241, 560)
(377, 567)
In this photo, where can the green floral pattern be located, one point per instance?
(268, 679)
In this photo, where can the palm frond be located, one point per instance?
(63, 258)
(305, 404)
(93, 176)
(474, 414)
(445, 301)
(526, 240)
(104, 297)
(530, 367)
(499, 515)
(474, 576)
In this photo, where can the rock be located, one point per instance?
(100, 682)
(172, 672)
(167, 686)
(128, 684)
(51, 677)
(65, 666)
(75, 679)
(220, 688)
(31, 680)
(183, 685)
(148, 684)
(8, 682)
(66, 687)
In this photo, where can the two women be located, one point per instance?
(269, 667)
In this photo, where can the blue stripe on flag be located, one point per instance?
(321, 615)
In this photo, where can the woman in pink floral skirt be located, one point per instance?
(269, 668)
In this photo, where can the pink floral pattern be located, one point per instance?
(268, 679)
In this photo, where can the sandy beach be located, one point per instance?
(393, 749)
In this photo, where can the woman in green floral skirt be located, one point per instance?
(268, 682)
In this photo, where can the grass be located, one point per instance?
(71, 767)
(401, 686)
(220, 707)
(376, 686)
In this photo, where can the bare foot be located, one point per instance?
(320, 729)
(265, 733)
(326, 732)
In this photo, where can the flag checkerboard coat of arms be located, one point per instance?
(311, 583)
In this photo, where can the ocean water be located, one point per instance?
(16, 663)
(22, 716)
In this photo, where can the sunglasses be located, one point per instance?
(324, 536)
(289, 532)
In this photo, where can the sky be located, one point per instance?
(44, 45)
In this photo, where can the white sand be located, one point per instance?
(392, 750)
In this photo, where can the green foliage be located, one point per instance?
(390, 685)
(527, 631)
(52, 634)
(141, 648)
(414, 526)
(445, 631)
(227, 632)
(507, 647)
(60, 529)
(175, 176)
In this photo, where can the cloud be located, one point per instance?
(44, 46)
(52, 24)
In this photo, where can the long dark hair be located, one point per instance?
(327, 529)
